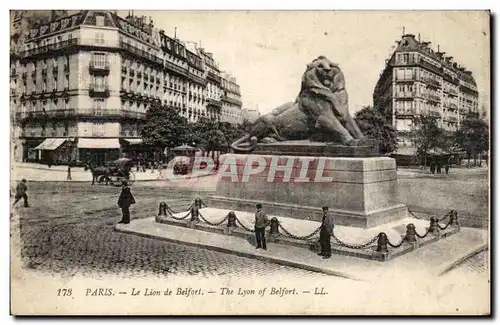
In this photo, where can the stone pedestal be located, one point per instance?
(360, 192)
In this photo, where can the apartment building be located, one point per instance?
(420, 81)
(231, 100)
(81, 85)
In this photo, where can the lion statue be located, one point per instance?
(320, 113)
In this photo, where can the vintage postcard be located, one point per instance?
(249, 162)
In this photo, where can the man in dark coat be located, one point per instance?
(325, 234)
(21, 193)
(261, 222)
(125, 200)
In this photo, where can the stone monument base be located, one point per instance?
(360, 192)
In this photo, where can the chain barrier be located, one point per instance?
(424, 235)
(314, 233)
(180, 218)
(420, 218)
(355, 246)
(414, 215)
(212, 223)
(395, 246)
(446, 215)
(243, 226)
(444, 227)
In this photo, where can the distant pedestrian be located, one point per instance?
(438, 168)
(125, 200)
(261, 222)
(447, 168)
(325, 234)
(160, 167)
(433, 167)
(21, 190)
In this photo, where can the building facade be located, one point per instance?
(231, 100)
(81, 85)
(419, 81)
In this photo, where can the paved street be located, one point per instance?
(69, 226)
(72, 233)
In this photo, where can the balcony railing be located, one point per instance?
(141, 53)
(451, 119)
(429, 66)
(98, 91)
(50, 47)
(405, 94)
(406, 112)
(434, 114)
(451, 105)
(433, 97)
(50, 113)
(98, 66)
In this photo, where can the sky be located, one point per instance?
(267, 51)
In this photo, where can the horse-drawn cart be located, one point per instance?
(117, 171)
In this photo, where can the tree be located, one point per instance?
(374, 125)
(208, 135)
(164, 127)
(473, 136)
(426, 135)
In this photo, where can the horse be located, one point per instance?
(97, 172)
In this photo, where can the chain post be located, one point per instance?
(382, 243)
(274, 230)
(162, 211)
(410, 236)
(434, 226)
(231, 220)
(454, 219)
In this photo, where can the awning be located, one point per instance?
(134, 141)
(86, 143)
(50, 144)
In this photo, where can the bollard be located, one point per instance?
(410, 236)
(434, 228)
(382, 243)
(231, 220)
(274, 227)
(197, 203)
(454, 219)
(195, 213)
(162, 211)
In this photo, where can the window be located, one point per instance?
(99, 59)
(98, 129)
(99, 20)
(98, 105)
(99, 38)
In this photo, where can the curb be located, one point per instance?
(271, 259)
(462, 259)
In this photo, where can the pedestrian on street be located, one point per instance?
(160, 167)
(325, 234)
(21, 193)
(433, 167)
(261, 222)
(438, 169)
(125, 200)
(447, 167)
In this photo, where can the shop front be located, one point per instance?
(98, 151)
(54, 151)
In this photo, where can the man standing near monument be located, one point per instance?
(261, 222)
(125, 200)
(325, 234)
